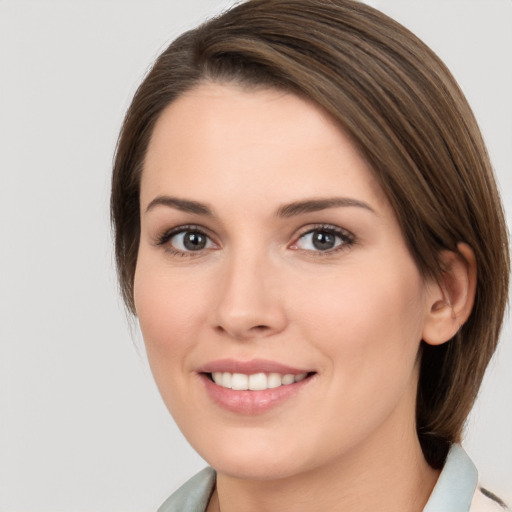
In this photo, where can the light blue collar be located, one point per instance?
(456, 484)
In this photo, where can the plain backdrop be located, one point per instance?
(82, 427)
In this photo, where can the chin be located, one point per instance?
(251, 458)
(260, 469)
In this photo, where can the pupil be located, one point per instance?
(194, 241)
(323, 240)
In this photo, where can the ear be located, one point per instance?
(450, 299)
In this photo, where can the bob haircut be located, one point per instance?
(404, 111)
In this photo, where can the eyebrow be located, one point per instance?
(185, 205)
(284, 211)
(315, 205)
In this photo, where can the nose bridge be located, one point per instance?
(249, 303)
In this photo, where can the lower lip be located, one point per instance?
(251, 402)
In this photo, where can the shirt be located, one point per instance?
(456, 490)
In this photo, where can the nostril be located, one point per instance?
(259, 329)
(241, 333)
(254, 327)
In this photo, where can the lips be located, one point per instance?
(254, 386)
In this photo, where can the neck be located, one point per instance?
(403, 483)
(386, 473)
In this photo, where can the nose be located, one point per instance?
(249, 301)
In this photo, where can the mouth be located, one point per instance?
(253, 387)
(255, 381)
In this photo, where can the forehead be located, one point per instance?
(225, 134)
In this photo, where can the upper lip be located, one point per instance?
(250, 367)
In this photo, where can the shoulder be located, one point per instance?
(193, 496)
(486, 501)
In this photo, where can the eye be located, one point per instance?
(190, 241)
(186, 240)
(323, 239)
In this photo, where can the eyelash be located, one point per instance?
(346, 237)
(163, 239)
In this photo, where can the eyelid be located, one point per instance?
(163, 238)
(348, 238)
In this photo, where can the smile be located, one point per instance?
(255, 381)
(255, 386)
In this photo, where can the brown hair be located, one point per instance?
(398, 102)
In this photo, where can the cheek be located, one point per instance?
(368, 330)
(369, 323)
(170, 308)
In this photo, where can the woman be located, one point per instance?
(309, 232)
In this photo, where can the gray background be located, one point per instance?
(82, 427)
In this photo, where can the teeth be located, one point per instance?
(288, 379)
(239, 381)
(258, 381)
(274, 380)
(255, 381)
(226, 379)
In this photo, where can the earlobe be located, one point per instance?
(451, 298)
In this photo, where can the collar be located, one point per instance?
(456, 485)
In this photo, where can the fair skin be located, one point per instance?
(267, 246)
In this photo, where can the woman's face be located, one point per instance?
(270, 258)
